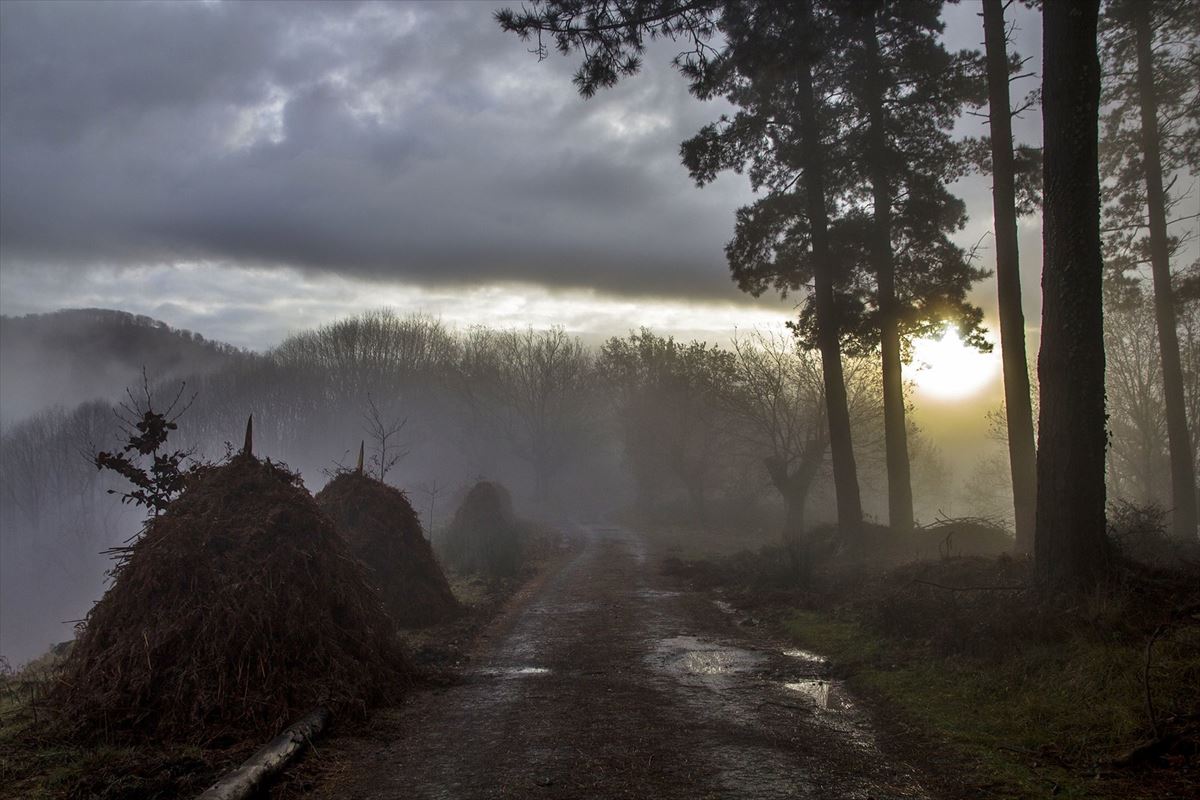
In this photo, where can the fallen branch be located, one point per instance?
(269, 760)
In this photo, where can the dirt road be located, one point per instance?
(608, 682)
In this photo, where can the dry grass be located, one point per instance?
(237, 610)
(484, 536)
(382, 530)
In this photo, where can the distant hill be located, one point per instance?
(68, 357)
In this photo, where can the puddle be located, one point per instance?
(556, 609)
(827, 695)
(689, 655)
(724, 606)
(514, 672)
(654, 594)
(805, 655)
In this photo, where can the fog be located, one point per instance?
(667, 429)
(576, 431)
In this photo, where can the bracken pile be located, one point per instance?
(238, 609)
(382, 530)
(484, 536)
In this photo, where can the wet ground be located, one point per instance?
(610, 682)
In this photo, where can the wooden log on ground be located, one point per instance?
(269, 760)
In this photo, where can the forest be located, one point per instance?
(647, 564)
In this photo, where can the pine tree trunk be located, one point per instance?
(837, 409)
(900, 502)
(1183, 476)
(1022, 454)
(1070, 547)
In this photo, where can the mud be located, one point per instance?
(609, 682)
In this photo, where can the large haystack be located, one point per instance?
(382, 530)
(484, 536)
(238, 609)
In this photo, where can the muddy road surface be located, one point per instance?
(610, 682)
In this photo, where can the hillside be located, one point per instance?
(70, 356)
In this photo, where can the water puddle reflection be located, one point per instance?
(690, 655)
(805, 655)
(514, 672)
(826, 695)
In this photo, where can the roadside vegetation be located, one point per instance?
(998, 693)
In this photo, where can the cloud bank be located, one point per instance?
(408, 142)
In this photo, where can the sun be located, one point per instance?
(947, 369)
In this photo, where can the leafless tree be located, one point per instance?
(384, 431)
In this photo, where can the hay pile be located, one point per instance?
(237, 610)
(382, 530)
(484, 536)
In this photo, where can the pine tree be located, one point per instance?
(907, 90)
(1151, 128)
(1022, 452)
(1070, 548)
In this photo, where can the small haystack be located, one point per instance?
(382, 530)
(239, 609)
(484, 536)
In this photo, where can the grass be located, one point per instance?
(35, 766)
(1045, 718)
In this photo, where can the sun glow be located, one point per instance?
(947, 369)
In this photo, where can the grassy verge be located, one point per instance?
(34, 766)
(1037, 718)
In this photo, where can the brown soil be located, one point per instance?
(382, 530)
(236, 611)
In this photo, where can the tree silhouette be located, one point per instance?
(155, 472)
(1151, 127)
(1070, 548)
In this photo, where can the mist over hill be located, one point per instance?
(71, 356)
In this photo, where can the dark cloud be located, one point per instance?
(414, 142)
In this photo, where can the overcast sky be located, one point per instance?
(248, 169)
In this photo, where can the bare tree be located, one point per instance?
(668, 401)
(778, 393)
(384, 431)
(533, 388)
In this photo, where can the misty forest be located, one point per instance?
(600, 398)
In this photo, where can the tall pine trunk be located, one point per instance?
(1070, 547)
(1022, 454)
(837, 409)
(1183, 476)
(900, 502)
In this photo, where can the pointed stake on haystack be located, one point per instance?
(248, 447)
(362, 446)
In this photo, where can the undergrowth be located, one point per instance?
(1038, 701)
(1002, 692)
